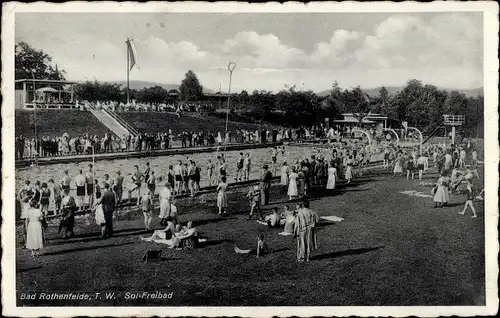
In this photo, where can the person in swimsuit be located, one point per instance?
(147, 209)
(239, 168)
(178, 177)
(118, 187)
(151, 181)
(66, 181)
(44, 199)
(247, 163)
(274, 159)
(137, 179)
(80, 189)
(89, 176)
(210, 172)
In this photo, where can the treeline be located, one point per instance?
(420, 105)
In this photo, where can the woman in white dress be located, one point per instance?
(292, 186)
(99, 212)
(284, 174)
(348, 169)
(398, 165)
(219, 139)
(165, 197)
(332, 176)
(222, 196)
(441, 195)
(34, 233)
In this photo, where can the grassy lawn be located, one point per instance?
(391, 249)
(161, 122)
(54, 123)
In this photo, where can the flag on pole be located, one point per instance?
(132, 54)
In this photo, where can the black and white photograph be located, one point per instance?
(250, 159)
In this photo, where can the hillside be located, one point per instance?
(161, 122)
(143, 84)
(54, 123)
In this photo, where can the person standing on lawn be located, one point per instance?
(471, 193)
(265, 185)
(222, 196)
(108, 202)
(247, 163)
(34, 233)
(137, 179)
(305, 232)
(239, 168)
(254, 196)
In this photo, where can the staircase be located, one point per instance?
(433, 133)
(122, 122)
(110, 122)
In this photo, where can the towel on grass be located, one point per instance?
(240, 251)
(332, 218)
(285, 233)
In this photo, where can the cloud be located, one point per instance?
(444, 50)
(262, 51)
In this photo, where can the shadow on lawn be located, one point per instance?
(22, 270)
(213, 220)
(346, 252)
(86, 248)
(213, 242)
(96, 236)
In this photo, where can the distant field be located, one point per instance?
(161, 122)
(56, 122)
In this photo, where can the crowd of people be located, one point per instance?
(314, 174)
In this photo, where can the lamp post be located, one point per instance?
(230, 67)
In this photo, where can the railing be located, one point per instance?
(433, 133)
(121, 121)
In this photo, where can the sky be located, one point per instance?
(271, 50)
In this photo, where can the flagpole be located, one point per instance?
(128, 71)
(37, 143)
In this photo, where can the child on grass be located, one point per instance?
(261, 246)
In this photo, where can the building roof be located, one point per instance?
(354, 121)
(369, 115)
(44, 81)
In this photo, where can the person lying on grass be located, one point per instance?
(175, 236)
(164, 234)
(261, 249)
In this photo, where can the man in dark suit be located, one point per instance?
(107, 200)
(265, 184)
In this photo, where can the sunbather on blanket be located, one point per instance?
(185, 237)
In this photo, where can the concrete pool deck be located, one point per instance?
(140, 154)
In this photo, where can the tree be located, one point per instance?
(95, 91)
(190, 88)
(357, 103)
(152, 95)
(31, 63)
